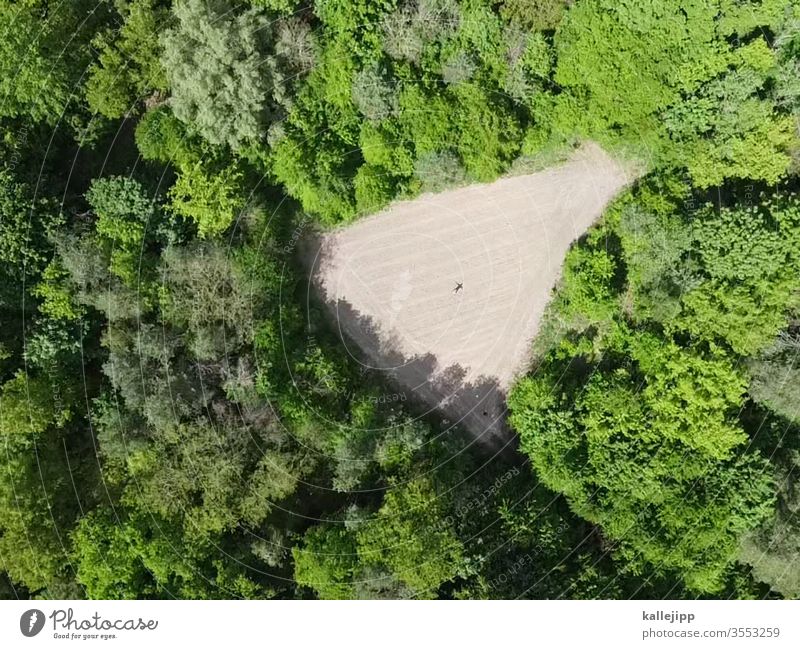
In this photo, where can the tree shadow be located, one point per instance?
(478, 407)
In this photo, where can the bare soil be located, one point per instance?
(390, 279)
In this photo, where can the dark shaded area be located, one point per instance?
(478, 408)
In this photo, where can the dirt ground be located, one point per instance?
(390, 283)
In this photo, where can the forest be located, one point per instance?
(179, 420)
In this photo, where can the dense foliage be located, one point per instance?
(176, 419)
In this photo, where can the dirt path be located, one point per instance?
(390, 282)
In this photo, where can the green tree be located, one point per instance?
(28, 406)
(632, 60)
(125, 213)
(25, 223)
(44, 50)
(534, 14)
(374, 188)
(327, 562)
(489, 132)
(776, 377)
(731, 128)
(373, 95)
(773, 550)
(219, 73)
(315, 160)
(661, 469)
(128, 65)
(123, 209)
(681, 82)
(750, 257)
(37, 510)
(721, 274)
(213, 199)
(109, 555)
(410, 536)
(127, 554)
(162, 137)
(440, 170)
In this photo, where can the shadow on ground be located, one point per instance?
(478, 407)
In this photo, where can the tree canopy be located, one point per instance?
(179, 418)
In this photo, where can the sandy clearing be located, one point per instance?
(389, 281)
